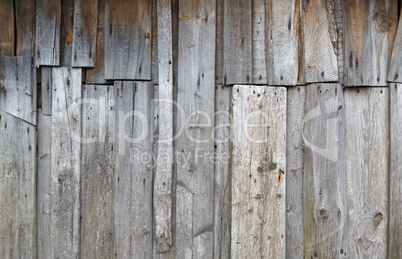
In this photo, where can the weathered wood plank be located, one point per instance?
(48, 18)
(66, 32)
(339, 46)
(367, 172)
(65, 162)
(18, 87)
(325, 204)
(222, 199)
(162, 204)
(97, 171)
(237, 46)
(17, 187)
(154, 43)
(282, 28)
(319, 40)
(296, 98)
(25, 26)
(195, 175)
(46, 90)
(219, 42)
(258, 180)
(132, 178)
(7, 27)
(395, 67)
(369, 32)
(84, 34)
(395, 210)
(128, 39)
(258, 44)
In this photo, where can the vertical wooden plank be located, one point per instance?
(17, 187)
(319, 40)
(395, 67)
(18, 87)
(325, 205)
(66, 32)
(25, 26)
(154, 43)
(97, 171)
(132, 178)
(7, 27)
(282, 28)
(367, 169)
(395, 210)
(339, 46)
(65, 162)
(46, 90)
(48, 17)
(195, 174)
(237, 46)
(219, 42)
(369, 32)
(128, 39)
(296, 98)
(84, 34)
(259, 177)
(258, 46)
(222, 199)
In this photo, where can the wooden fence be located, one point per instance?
(200, 129)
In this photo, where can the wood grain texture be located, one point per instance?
(325, 203)
(154, 43)
(282, 28)
(7, 27)
(258, 44)
(18, 87)
(65, 162)
(132, 177)
(367, 172)
(258, 175)
(395, 210)
(48, 18)
(369, 32)
(296, 98)
(25, 16)
(195, 175)
(84, 34)
(17, 187)
(46, 91)
(237, 47)
(128, 39)
(339, 46)
(219, 42)
(66, 32)
(395, 67)
(319, 39)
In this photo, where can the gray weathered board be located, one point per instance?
(66, 32)
(258, 175)
(25, 27)
(395, 67)
(259, 61)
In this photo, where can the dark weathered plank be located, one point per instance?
(66, 32)
(84, 34)
(296, 99)
(128, 39)
(367, 172)
(325, 204)
(258, 45)
(65, 162)
(395, 67)
(48, 18)
(25, 15)
(258, 175)
(395, 210)
(132, 178)
(319, 41)
(219, 42)
(282, 28)
(7, 33)
(195, 175)
(97, 172)
(18, 87)
(237, 46)
(369, 32)
(17, 187)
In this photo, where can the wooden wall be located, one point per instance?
(200, 129)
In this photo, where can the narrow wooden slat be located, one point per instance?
(17, 187)
(367, 172)
(128, 39)
(18, 87)
(84, 34)
(296, 99)
(219, 42)
(66, 32)
(65, 162)
(48, 18)
(395, 67)
(132, 177)
(395, 210)
(282, 26)
(97, 171)
(258, 175)
(325, 204)
(222, 200)
(369, 32)
(154, 43)
(258, 44)
(25, 15)
(7, 27)
(46, 90)
(195, 175)
(319, 39)
(237, 46)
(339, 46)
